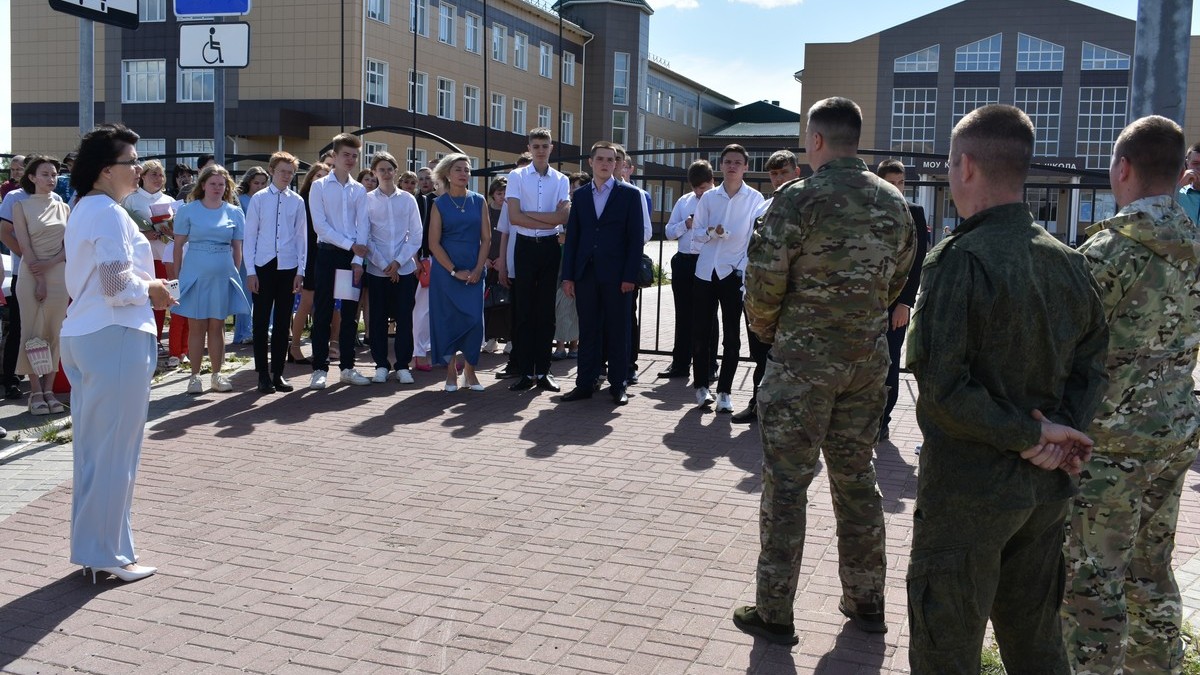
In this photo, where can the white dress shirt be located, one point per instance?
(394, 232)
(276, 229)
(647, 226)
(510, 256)
(538, 194)
(339, 212)
(724, 254)
(677, 227)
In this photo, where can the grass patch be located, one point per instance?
(989, 660)
(990, 663)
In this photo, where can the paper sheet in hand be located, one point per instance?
(343, 285)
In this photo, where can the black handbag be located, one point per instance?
(645, 277)
(496, 295)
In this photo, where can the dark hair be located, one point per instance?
(780, 159)
(1153, 146)
(243, 187)
(604, 145)
(699, 173)
(540, 133)
(310, 178)
(31, 166)
(1195, 148)
(379, 157)
(498, 183)
(349, 140)
(1000, 140)
(888, 167)
(524, 158)
(838, 120)
(98, 149)
(734, 147)
(204, 159)
(580, 177)
(364, 172)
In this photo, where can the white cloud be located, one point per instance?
(771, 4)
(677, 4)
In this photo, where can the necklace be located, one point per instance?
(463, 208)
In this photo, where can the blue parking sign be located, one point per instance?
(190, 8)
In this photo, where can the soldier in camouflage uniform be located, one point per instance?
(833, 252)
(1007, 344)
(1122, 606)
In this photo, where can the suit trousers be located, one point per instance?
(538, 259)
(603, 328)
(330, 259)
(727, 295)
(12, 338)
(391, 300)
(274, 297)
(683, 290)
(895, 338)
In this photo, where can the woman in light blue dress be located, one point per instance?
(208, 248)
(459, 238)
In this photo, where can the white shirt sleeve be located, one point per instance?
(253, 222)
(677, 223)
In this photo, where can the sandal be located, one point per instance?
(38, 407)
(56, 406)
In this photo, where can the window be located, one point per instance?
(519, 120)
(521, 51)
(670, 157)
(474, 37)
(377, 82)
(1096, 57)
(670, 106)
(499, 43)
(1035, 54)
(981, 56)
(1096, 205)
(1044, 107)
(150, 147)
(416, 159)
(669, 199)
(967, 99)
(649, 96)
(566, 134)
(476, 184)
(648, 144)
(924, 61)
(546, 61)
(143, 81)
(377, 10)
(470, 104)
(544, 116)
(497, 120)
(568, 68)
(152, 11)
(370, 149)
(418, 95)
(447, 24)
(445, 98)
(914, 114)
(621, 78)
(1102, 114)
(659, 145)
(418, 17)
(193, 147)
(620, 125)
(195, 86)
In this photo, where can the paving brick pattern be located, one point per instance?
(404, 529)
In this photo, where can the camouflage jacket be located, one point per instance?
(832, 253)
(1008, 321)
(1147, 262)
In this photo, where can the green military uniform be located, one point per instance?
(1008, 321)
(832, 253)
(1122, 605)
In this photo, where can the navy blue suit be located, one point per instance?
(603, 251)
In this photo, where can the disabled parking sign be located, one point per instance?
(214, 45)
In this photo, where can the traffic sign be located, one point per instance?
(214, 45)
(186, 8)
(123, 13)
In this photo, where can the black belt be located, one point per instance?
(690, 255)
(538, 240)
(331, 247)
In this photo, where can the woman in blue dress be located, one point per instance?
(459, 238)
(208, 250)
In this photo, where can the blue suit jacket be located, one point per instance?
(611, 242)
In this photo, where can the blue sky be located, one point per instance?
(764, 39)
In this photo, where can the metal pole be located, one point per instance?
(412, 88)
(219, 116)
(1160, 59)
(342, 70)
(87, 64)
(486, 97)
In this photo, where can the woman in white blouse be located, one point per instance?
(108, 350)
(149, 193)
(394, 237)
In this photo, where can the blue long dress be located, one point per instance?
(455, 308)
(208, 283)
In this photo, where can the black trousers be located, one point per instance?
(635, 329)
(394, 300)
(330, 258)
(727, 295)
(683, 289)
(537, 260)
(758, 352)
(272, 304)
(895, 340)
(12, 338)
(603, 329)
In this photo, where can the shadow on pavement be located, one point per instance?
(853, 652)
(27, 620)
(896, 477)
(768, 659)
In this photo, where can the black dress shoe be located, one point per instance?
(619, 396)
(547, 383)
(12, 391)
(505, 372)
(674, 372)
(746, 416)
(281, 384)
(526, 382)
(265, 385)
(577, 394)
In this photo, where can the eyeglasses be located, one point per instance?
(129, 162)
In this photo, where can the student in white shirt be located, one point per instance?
(339, 212)
(722, 225)
(683, 268)
(506, 270)
(276, 250)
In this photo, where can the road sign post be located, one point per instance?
(197, 8)
(123, 13)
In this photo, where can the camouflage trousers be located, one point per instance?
(1123, 611)
(803, 411)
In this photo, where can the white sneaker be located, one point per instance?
(352, 376)
(173, 362)
(508, 347)
(490, 346)
(318, 379)
(404, 376)
(381, 375)
(703, 396)
(221, 383)
(724, 403)
(195, 386)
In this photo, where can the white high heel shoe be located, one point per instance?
(139, 572)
